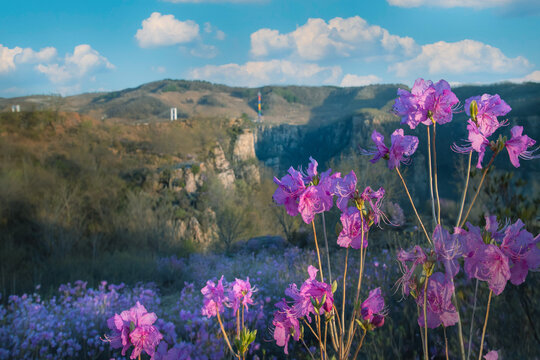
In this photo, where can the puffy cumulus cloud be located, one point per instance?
(318, 39)
(257, 73)
(209, 28)
(532, 77)
(462, 57)
(351, 80)
(9, 58)
(165, 30)
(450, 3)
(84, 61)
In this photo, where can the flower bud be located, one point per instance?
(473, 109)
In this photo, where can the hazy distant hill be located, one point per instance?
(293, 105)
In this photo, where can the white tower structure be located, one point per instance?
(174, 114)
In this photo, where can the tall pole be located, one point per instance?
(259, 107)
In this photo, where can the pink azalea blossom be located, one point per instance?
(402, 147)
(409, 260)
(351, 234)
(311, 289)
(290, 187)
(285, 324)
(134, 327)
(520, 247)
(477, 142)
(448, 249)
(214, 298)
(489, 107)
(372, 309)
(314, 200)
(426, 100)
(345, 189)
(517, 146)
(241, 294)
(491, 265)
(439, 307)
(492, 355)
(373, 199)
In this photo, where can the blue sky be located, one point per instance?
(70, 47)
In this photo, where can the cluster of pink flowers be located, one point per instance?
(313, 298)
(134, 327)
(235, 295)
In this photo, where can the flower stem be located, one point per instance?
(360, 345)
(445, 342)
(327, 252)
(465, 190)
(485, 326)
(225, 335)
(478, 190)
(344, 292)
(460, 328)
(317, 247)
(426, 356)
(435, 175)
(414, 207)
(472, 319)
(430, 175)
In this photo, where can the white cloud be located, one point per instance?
(257, 73)
(204, 51)
(450, 3)
(165, 30)
(220, 35)
(351, 80)
(159, 69)
(462, 57)
(532, 77)
(209, 28)
(9, 58)
(31, 57)
(318, 39)
(84, 61)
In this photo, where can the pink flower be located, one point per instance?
(491, 265)
(489, 107)
(517, 146)
(373, 199)
(145, 338)
(409, 261)
(345, 189)
(439, 307)
(492, 355)
(290, 187)
(372, 309)
(351, 234)
(314, 200)
(311, 289)
(447, 248)
(425, 101)
(285, 324)
(214, 298)
(134, 327)
(241, 293)
(520, 247)
(402, 147)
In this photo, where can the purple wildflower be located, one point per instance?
(517, 146)
(439, 307)
(214, 298)
(372, 309)
(145, 338)
(380, 148)
(489, 107)
(314, 200)
(491, 265)
(520, 247)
